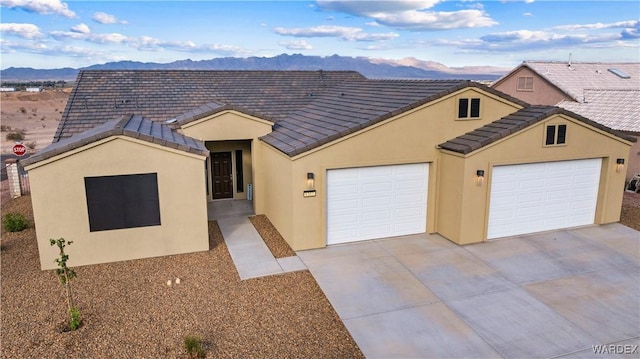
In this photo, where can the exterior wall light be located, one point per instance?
(310, 191)
(310, 180)
(619, 164)
(479, 177)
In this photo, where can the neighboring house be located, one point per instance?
(34, 89)
(607, 93)
(7, 89)
(328, 156)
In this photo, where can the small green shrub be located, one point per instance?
(193, 346)
(5, 128)
(16, 136)
(74, 319)
(31, 145)
(14, 222)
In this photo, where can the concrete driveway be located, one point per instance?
(554, 294)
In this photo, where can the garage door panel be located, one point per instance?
(374, 188)
(402, 200)
(567, 197)
(382, 201)
(375, 216)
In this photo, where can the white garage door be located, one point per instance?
(539, 197)
(376, 202)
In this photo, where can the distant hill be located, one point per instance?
(408, 68)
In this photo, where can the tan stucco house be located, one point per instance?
(605, 92)
(328, 156)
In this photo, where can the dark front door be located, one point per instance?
(221, 175)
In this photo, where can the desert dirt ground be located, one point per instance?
(37, 113)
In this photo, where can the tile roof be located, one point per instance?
(618, 109)
(574, 79)
(512, 123)
(355, 105)
(127, 125)
(164, 94)
(209, 109)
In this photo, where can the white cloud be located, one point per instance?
(9, 46)
(412, 15)
(527, 14)
(44, 7)
(599, 26)
(296, 45)
(113, 38)
(426, 21)
(27, 31)
(343, 32)
(148, 43)
(368, 8)
(55, 51)
(104, 18)
(81, 28)
(522, 40)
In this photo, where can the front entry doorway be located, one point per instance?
(221, 175)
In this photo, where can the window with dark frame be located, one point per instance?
(239, 172)
(124, 201)
(556, 135)
(469, 108)
(525, 83)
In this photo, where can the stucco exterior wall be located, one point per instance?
(226, 125)
(471, 215)
(408, 138)
(543, 93)
(60, 203)
(231, 126)
(276, 198)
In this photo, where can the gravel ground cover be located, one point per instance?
(630, 215)
(272, 238)
(129, 311)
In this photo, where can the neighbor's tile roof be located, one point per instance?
(513, 123)
(618, 109)
(127, 125)
(165, 94)
(353, 106)
(580, 76)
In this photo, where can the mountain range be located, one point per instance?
(407, 68)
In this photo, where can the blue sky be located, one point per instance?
(56, 33)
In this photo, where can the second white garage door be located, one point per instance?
(545, 196)
(375, 202)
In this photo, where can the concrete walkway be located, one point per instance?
(250, 254)
(547, 295)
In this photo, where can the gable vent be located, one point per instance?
(619, 73)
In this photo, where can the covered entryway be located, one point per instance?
(229, 171)
(376, 202)
(535, 197)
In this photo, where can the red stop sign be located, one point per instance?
(19, 149)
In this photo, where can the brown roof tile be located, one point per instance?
(165, 94)
(355, 105)
(127, 125)
(512, 123)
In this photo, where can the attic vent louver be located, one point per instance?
(619, 73)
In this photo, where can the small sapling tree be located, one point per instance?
(66, 274)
